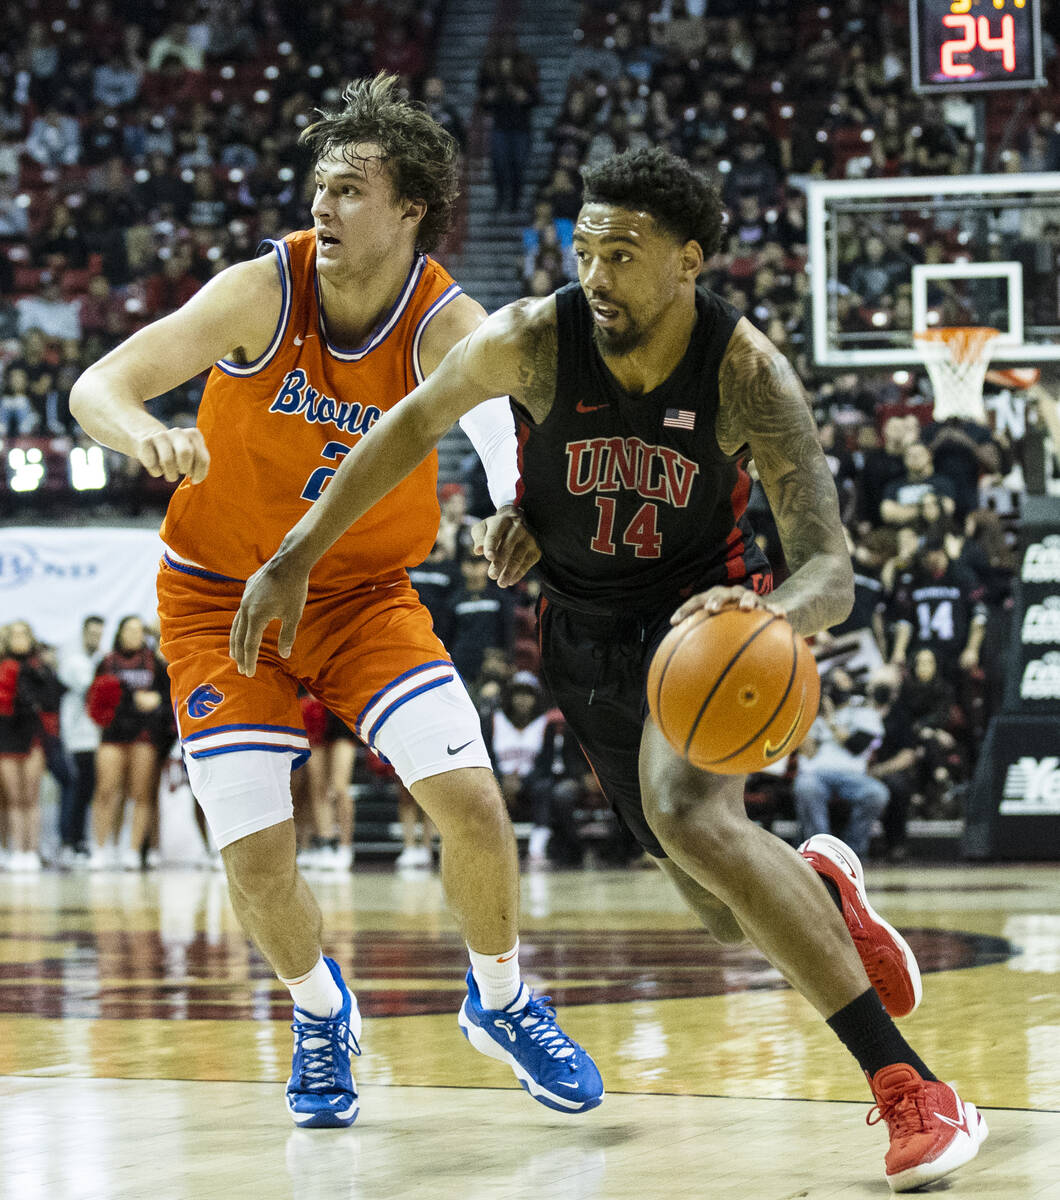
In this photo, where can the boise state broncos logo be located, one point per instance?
(204, 700)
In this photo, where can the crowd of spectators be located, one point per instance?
(144, 147)
(912, 677)
(98, 720)
(910, 681)
(761, 96)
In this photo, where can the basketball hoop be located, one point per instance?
(956, 358)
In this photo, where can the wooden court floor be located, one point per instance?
(143, 1047)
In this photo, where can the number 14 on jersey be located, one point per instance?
(642, 533)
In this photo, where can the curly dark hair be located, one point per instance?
(420, 154)
(659, 183)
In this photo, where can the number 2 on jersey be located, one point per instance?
(641, 533)
(315, 484)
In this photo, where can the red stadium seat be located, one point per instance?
(27, 279)
(75, 282)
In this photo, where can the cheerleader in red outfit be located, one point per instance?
(129, 698)
(21, 757)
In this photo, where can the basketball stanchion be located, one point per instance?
(956, 358)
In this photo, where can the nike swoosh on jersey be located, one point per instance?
(588, 408)
(456, 750)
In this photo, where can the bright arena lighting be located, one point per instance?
(26, 467)
(87, 470)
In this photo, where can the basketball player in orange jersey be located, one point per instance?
(310, 344)
(638, 400)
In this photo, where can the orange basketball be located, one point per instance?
(733, 691)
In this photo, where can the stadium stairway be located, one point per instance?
(488, 265)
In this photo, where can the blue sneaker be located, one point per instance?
(321, 1093)
(552, 1067)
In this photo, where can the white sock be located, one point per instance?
(539, 836)
(316, 994)
(497, 976)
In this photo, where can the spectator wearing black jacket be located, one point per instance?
(927, 716)
(902, 496)
(508, 92)
(896, 763)
(482, 619)
(435, 581)
(437, 104)
(561, 786)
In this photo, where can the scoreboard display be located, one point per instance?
(975, 45)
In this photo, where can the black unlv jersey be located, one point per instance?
(632, 500)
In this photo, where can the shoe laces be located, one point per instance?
(906, 1116)
(321, 1043)
(538, 1019)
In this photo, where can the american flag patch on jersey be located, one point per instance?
(679, 418)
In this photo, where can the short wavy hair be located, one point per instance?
(666, 187)
(420, 155)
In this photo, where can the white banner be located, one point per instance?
(55, 576)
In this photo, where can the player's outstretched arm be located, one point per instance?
(237, 310)
(485, 363)
(763, 405)
(502, 537)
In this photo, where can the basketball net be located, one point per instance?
(956, 358)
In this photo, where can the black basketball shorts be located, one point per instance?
(596, 668)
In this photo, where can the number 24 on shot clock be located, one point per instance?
(975, 45)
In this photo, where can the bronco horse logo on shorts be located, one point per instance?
(203, 700)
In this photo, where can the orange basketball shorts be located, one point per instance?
(369, 654)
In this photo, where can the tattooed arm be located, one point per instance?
(763, 405)
(513, 352)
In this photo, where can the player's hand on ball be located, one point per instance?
(717, 598)
(506, 544)
(174, 452)
(274, 592)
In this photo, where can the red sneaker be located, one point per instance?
(889, 962)
(933, 1131)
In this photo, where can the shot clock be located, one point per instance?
(975, 45)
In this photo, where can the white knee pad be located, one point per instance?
(242, 793)
(431, 732)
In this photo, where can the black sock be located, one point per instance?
(833, 891)
(866, 1030)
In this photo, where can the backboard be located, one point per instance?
(887, 256)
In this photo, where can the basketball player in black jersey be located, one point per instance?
(639, 400)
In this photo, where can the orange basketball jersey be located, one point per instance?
(277, 429)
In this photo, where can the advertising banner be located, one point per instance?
(1033, 681)
(1014, 808)
(53, 577)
